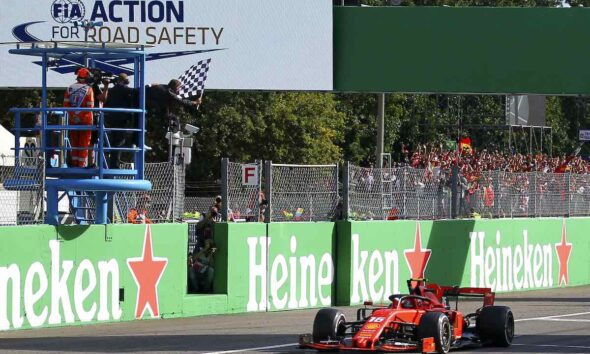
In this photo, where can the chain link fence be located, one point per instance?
(21, 190)
(398, 193)
(499, 194)
(198, 204)
(241, 190)
(163, 203)
(303, 193)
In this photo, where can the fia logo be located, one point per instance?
(64, 11)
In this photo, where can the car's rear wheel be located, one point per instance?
(437, 326)
(496, 325)
(328, 325)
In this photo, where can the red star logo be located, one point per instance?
(563, 250)
(147, 271)
(417, 258)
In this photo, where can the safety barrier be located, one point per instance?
(274, 267)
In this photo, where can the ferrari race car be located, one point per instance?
(420, 321)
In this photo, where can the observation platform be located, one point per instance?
(51, 128)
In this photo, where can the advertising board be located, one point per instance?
(253, 45)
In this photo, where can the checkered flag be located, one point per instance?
(193, 80)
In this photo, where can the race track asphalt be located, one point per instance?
(550, 321)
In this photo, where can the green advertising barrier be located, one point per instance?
(376, 258)
(300, 271)
(86, 274)
(461, 50)
(273, 267)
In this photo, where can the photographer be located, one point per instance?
(121, 96)
(202, 268)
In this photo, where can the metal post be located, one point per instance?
(224, 188)
(141, 140)
(380, 129)
(101, 199)
(510, 138)
(454, 195)
(100, 156)
(567, 193)
(530, 140)
(268, 188)
(346, 191)
(52, 217)
(43, 106)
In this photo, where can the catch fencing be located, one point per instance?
(163, 203)
(303, 192)
(21, 190)
(241, 190)
(409, 193)
(396, 193)
(534, 194)
(279, 192)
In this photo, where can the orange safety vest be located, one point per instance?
(79, 95)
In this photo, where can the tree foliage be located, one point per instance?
(317, 128)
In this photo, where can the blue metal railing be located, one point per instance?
(102, 167)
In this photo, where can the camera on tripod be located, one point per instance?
(97, 77)
(101, 77)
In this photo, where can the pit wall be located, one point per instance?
(73, 275)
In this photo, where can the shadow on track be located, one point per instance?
(147, 343)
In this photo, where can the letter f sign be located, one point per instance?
(250, 175)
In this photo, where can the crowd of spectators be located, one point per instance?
(495, 183)
(472, 164)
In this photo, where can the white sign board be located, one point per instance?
(250, 175)
(584, 135)
(252, 44)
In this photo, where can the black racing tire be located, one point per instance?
(328, 325)
(437, 326)
(496, 325)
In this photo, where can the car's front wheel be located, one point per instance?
(437, 326)
(328, 325)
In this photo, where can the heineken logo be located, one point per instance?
(375, 274)
(80, 290)
(62, 294)
(292, 280)
(521, 265)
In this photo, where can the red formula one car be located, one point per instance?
(420, 321)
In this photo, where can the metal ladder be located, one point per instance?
(81, 206)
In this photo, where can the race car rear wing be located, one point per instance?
(454, 291)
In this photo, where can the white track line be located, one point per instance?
(259, 348)
(553, 346)
(552, 317)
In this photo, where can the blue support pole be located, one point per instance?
(101, 208)
(17, 138)
(140, 165)
(100, 156)
(52, 217)
(43, 106)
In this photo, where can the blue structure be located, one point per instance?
(100, 182)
